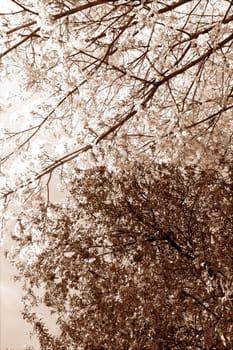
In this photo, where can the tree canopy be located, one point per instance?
(126, 108)
(139, 259)
(104, 81)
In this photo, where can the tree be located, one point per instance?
(104, 81)
(138, 259)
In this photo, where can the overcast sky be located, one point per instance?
(14, 331)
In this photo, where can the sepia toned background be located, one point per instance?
(14, 330)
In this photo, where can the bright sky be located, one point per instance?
(6, 5)
(14, 331)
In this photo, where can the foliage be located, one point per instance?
(103, 81)
(96, 92)
(139, 259)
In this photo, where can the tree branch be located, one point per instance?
(20, 42)
(81, 8)
(183, 69)
(24, 8)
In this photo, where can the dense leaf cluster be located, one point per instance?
(139, 259)
(139, 256)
